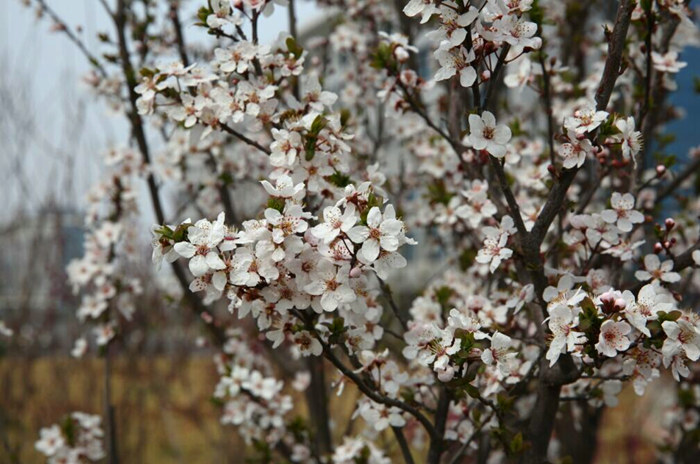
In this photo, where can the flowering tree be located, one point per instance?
(457, 215)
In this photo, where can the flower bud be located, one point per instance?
(619, 304)
(658, 248)
(660, 170)
(669, 223)
(608, 300)
(401, 54)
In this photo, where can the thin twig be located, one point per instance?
(245, 139)
(73, 38)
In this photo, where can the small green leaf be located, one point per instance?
(294, 48)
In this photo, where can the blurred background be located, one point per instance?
(53, 132)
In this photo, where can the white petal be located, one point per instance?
(185, 249)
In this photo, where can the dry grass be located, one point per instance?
(163, 412)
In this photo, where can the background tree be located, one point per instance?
(509, 149)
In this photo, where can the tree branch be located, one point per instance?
(611, 72)
(245, 139)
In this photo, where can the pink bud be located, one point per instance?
(658, 248)
(660, 170)
(409, 77)
(607, 297)
(486, 75)
(608, 301)
(669, 223)
(620, 304)
(355, 272)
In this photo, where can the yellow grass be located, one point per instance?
(163, 412)
(164, 415)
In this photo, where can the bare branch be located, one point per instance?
(243, 138)
(73, 37)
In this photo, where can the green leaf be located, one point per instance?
(203, 13)
(276, 203)
(294, 48)
(443, 295)
(472, 391)
(339, 179)
(536, 13)
(437, 193)
(383, 57)
(516, 444)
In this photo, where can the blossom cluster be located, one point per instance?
(77, 439)
(315, 164)
(107, 291)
